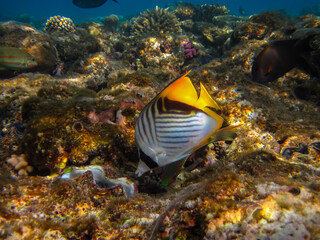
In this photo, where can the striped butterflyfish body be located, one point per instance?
(14, 58)
(174, 124)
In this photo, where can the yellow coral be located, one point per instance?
(58, 23)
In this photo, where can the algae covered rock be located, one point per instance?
(261, 26)
(110, 23)
(72, 45)
(60, 132)
(36, 43)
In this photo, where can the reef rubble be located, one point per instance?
(78, 109)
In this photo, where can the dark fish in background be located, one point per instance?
(89, 3)
(242, 12)
(281, 56)
(12, 58)
(274, 61)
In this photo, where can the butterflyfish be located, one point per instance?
(174, 124)
(12, 58)
(89, 3)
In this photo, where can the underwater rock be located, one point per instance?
(260, 26)
(110, 23)
(272, 19)
(228, 21)
(247, 31)
(109, 41)
(212, 37)
(36, 43)
(95, 69)
(74, 45)
(206, 12)
(159, 52)
(309, 21)
(73, 139)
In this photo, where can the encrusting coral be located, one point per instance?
(59, 23)
(20, 164)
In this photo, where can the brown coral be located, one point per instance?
(157, 21)
(185, 11)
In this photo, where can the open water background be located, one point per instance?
(40, 10)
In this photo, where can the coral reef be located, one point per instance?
(189, 50)
(263, 185)
(261, 26)
(73, 46)
(157, 21)
(206, 12)
(155, 52)
(60, 24)
(185, 11)
(203, 13)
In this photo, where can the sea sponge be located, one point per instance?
(61, 24)
(157, 21)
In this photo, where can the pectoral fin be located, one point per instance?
(224, 134)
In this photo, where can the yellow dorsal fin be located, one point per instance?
(181, 90)
(205, 100)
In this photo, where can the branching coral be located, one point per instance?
(185, 11)
(157, 21)
(207, 11)
(61, 24)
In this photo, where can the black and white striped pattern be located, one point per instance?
(167, 131)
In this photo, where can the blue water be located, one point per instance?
(43, 9)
